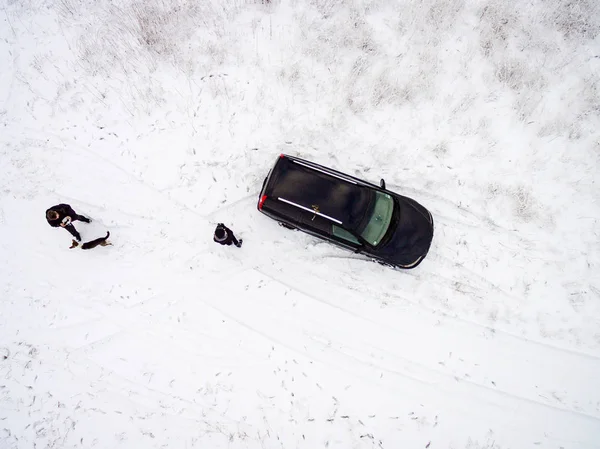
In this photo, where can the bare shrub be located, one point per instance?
(511, 73)
(141, 36)
(520, 50)
(138, 35)
(464, 104)
(431, 18)
(570, 130)
(291, 74)
(372, 86)
(356, 102)
(356, 97)
(550, 128)
(215, 51)
(521, 201)
(591, 94)
(577, 18)
(496, 22)
(68, 7)
(153, 24)
(524, 205)
(574, 131)
(327, 7)
(493, 190)
(490, 443)
(332, 37)
(387, 89)
(443, 13)
(441, 149)
(38, 63)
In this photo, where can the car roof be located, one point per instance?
(336, 196)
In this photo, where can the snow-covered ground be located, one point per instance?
(160, 118)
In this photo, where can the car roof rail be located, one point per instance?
(308, 209)
(329, 171)
(326, 171)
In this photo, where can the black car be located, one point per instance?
(352, 213)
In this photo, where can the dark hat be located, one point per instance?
(220, 234)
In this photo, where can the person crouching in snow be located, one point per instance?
(224, 236)
(63, 215)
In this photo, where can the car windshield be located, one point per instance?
(379, 221)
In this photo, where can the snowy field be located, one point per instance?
(161, 118)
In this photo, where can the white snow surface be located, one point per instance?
(161, 118)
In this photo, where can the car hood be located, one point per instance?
(412, 233)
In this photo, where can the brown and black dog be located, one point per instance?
(102, 241)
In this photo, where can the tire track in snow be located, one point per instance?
(73, 144)
(360, 358)
(154, 219)
(481, 223)
(448, 214)
(12, 72)
(201, 410)
(464, 276)
(312, 266)
(161, 192)
(323, 298)
(119, 384)
(413, 370)
(433, 269)
(230, 205)
(460, 318)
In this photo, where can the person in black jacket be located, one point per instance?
(224, 236)
(63, 215)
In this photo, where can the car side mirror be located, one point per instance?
(382, 183)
